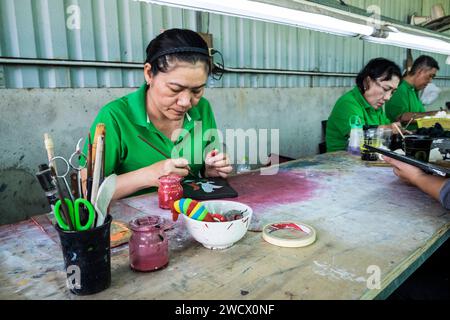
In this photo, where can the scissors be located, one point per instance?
(75, 209)
(64, 175)
(69, 164)
(79, 155)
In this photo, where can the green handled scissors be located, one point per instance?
(74, 213)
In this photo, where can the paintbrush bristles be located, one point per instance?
(50, 148)
(99, 131)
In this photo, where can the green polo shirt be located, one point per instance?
(350, 104)
(126, 118)
(405, 99)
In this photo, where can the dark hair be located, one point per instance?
(180, 44)
(424, 62)
(378, 68)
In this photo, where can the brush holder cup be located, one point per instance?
(87, 258)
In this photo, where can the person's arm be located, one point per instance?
(429, 184)
(133, 181)
(407, 116)
(136, 180)
(395, 127)
(147, 177)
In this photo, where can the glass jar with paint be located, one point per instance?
(169, 190)
(371, 138)
(148, 245)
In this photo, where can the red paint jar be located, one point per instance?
(148, 245)
(169, 190)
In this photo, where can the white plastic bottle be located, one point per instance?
(356, 136)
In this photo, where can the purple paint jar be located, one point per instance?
(149, 246)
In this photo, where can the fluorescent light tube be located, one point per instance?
(405, 40)
(276, 14)
(271, 13)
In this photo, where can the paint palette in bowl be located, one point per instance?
(220, 235)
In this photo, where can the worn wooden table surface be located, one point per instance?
(366, 220)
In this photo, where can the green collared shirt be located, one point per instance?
(126, 118)
(350, 104)
(405, 99)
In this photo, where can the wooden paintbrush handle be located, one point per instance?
(89, 157)
(97, 170)
(99, 131)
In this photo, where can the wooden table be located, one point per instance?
(367, 220)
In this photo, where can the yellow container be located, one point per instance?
(427, 123)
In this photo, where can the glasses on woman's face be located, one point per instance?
(387, 89)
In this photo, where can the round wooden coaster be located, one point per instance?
(289, 234)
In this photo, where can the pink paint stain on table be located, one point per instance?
(262, 190)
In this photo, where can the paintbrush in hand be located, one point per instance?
(161, 152)
(398, 129)
(410, 120)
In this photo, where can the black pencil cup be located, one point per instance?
(87, 258)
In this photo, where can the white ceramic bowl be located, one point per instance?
(219, 235)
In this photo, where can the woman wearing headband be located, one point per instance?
(166, 126)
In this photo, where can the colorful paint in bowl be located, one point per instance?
(220, 235)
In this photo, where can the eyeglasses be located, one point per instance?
(385, 89)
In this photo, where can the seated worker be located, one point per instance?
(405, 105)
(165, 110)
(375, 84)
(437, 187)
(430, 281)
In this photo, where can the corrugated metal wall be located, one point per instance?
(119, 30)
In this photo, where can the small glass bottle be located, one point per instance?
(169, 190)
(148, 245)
(243, 166)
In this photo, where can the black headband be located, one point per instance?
(205, 52)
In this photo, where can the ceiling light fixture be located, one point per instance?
(276, 14)
(391, 36)
(272, 13)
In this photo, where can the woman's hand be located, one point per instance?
(146, 177)
(397, 128)
(217, 165)
(405, 171)
(426, 182)
(178, 167)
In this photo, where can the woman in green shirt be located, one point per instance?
(375, 84)
(168, 110)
